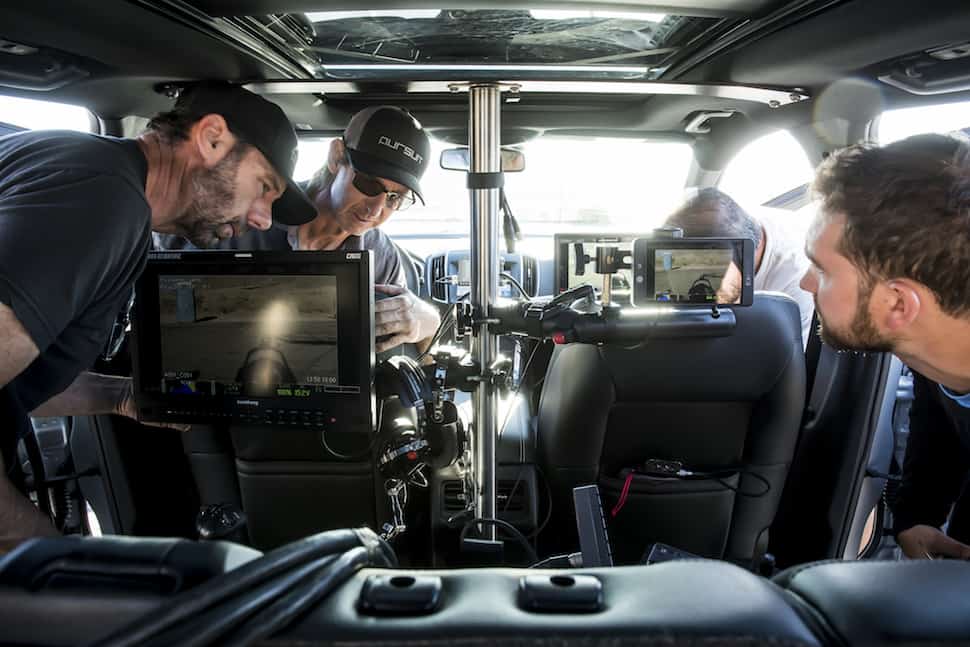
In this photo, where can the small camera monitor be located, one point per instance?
(576, 263)
(693, 271)
(257, 338)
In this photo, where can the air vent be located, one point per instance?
(517, 504)
(439, 288)
(454, 498)
(530, 275)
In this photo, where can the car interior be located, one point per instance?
(582, 456)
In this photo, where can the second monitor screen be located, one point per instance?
(693, 276)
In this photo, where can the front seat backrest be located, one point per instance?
(725, 404)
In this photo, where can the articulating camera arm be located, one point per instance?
(559, 321)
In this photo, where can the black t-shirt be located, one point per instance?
(75, 230)
(937, 461)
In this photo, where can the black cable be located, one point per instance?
(516, 283)
(505, 525)
(449, 320)
(36, 461)
(286, 609)
(505, 421)
(365, 453)
(555, 561)
(518, 387)
(187, 605)
(545, 522)
(716, 476)
(515, 486)
(211, 626)
(666, 469)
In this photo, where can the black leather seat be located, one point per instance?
(725, 404)
(695, 602)
(288, 485)
(692, 602)
(917, 602)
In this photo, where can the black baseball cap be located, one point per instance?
(387, 142)
(262, 124)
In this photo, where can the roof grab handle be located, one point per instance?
(698, 125)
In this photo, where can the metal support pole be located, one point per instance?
(484, 130)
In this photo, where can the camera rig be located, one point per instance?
(573, 316)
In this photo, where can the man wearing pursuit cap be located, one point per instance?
(371, 172)
(76, 216)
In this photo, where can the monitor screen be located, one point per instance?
(693, 271)
(274, 338)
(575, 264)
(693, 276)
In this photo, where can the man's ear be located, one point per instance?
(899, 302)
(211, 139)
(337, 154)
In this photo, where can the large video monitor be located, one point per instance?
(575, 263)
(259, 338)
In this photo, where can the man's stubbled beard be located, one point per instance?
(862, 334)
(214, 196)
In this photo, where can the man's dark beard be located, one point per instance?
(862, 335)
(215, 194)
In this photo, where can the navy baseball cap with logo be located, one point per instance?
(387, 142)
(262, 124)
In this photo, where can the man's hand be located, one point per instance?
(927, 542)
(399, 316)
(126, 407)
(94, 394)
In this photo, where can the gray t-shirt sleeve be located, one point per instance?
(388, 269)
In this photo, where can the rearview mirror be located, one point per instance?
(456, 159)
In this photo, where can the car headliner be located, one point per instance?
(114, 57)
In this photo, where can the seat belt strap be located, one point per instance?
(813, 349)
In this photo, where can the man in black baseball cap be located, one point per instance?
(387, 142)
(262, 125)
(76, 215)
(371, 173)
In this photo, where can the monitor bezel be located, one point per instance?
(344, 411)
(644, 250)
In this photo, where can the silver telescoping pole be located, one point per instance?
(484, 128)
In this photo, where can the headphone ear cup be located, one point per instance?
(397, 376)
(387, 381)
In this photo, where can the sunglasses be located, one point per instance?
(371, 187)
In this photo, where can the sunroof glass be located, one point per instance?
(490, 36)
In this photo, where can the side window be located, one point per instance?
(894, 125)
(765, 169)
(31, 114)
(312, 155)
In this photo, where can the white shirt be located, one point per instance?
(783, 263)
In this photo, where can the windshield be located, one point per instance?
(569, 185)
